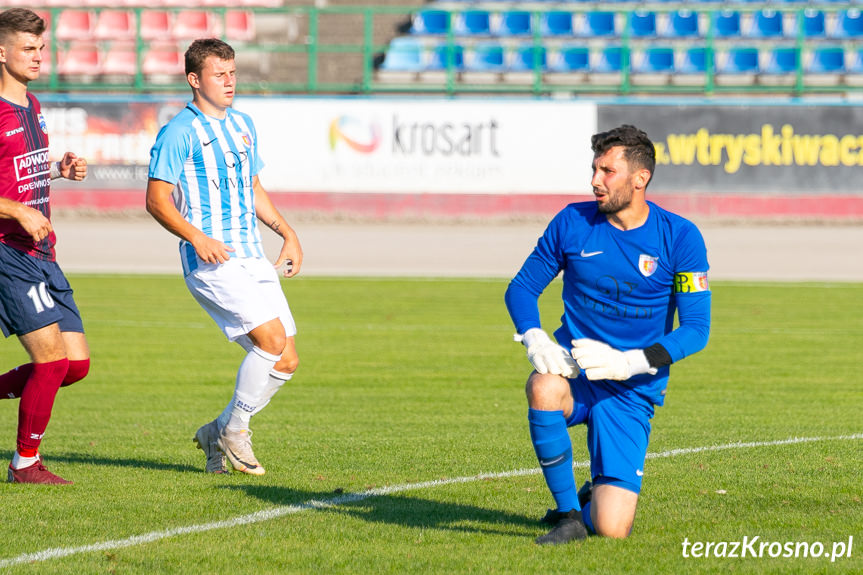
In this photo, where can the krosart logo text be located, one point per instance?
(757, 548)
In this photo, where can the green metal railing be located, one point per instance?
(311, 59)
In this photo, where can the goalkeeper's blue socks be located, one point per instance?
(553, 448)
(588, 521)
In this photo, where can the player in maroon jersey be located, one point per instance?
(36, 301)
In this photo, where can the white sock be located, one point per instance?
(276, 381)
(19, 462)
(252, 383)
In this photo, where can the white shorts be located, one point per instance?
(240, 295)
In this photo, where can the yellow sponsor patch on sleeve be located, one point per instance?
(691, 282)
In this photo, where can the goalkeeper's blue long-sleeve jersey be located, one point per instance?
(620, 287)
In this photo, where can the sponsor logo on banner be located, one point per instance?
(691, 282)
(359, 136)
(647, 265)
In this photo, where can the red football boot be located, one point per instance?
(36, 473)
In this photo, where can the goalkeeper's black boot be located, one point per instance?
(570, 527)
(552, 516)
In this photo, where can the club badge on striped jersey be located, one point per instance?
(691, 282)
(42, 123)
(647, 265)
(247, 139)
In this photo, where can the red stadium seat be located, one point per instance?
(239, 26)
(120, 59)
(115, 25)
(164, 60)
(79, 60)
(155, 25)
(75, 25)
(192, 24)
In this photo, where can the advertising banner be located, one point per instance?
(420, 146)
(114, 136)
(761, 149)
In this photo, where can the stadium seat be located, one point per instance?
(75, 25)
(484, 57)
(780, 68)
(163, 63)
(443, 55)
(483, 63)
(854, 67)
(642, 24)
(240, 25)
(472, 23)
(155, 25)
(726, 24)
(598, 24)
(765, 24)
(568, 64)
(512, 23)
(825, 66)
(404, 54)
(653, 66)
(526, 57)
(430, 22)
(813, 23)
(115, 25)
(681, 24)
(849, 24)
(555, 23)
(121, 59)
(690, 66)
(606, 66)
(79, 60)
(738, 66)
(192, 24)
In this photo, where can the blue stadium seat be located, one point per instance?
(526, 56)
(642, 24)
(441, 54)
(854, 65)
(571, 59)
(726, 24)
(681, 24)
(740, 60)
(654, 60)
(430, 22)
(485, 57)
(610, 60)
(600, 24)
(692, 60)
(515, 23)
(555, 23)
(782, 60)
(849, 24)
(813, 23)
(472, 23)
(404, 55)
(827, 60)
(766, 24)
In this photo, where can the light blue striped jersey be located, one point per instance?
(212, 164)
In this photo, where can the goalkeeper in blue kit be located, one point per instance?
(628, 266)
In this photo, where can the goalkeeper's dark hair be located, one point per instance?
(22, 20)
(202, 49)
(639, 151)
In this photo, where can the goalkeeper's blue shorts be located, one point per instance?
(618, 429)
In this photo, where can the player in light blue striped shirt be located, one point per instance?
(203, 187)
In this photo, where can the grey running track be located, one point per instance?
(744, 251)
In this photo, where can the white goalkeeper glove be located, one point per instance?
(601, 361)
(547, 356)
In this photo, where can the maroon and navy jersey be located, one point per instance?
(25, 172)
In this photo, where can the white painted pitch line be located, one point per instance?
(276, 512)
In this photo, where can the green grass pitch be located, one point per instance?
(414, 388)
